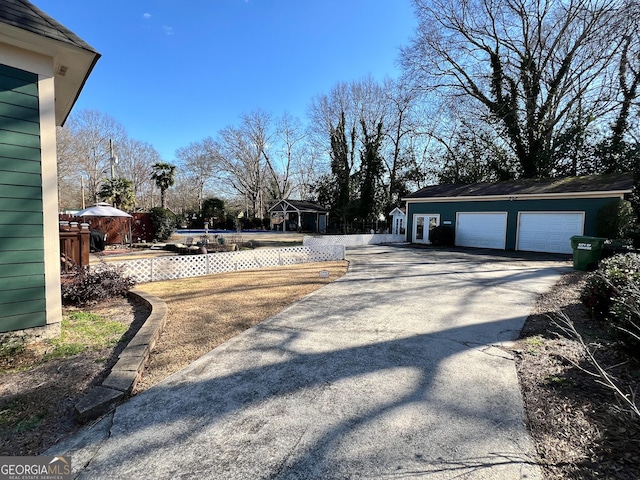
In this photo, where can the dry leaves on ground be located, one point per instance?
(578, 428)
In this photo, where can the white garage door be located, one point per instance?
(548, 232)
(484, 230)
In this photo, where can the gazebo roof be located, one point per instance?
(297, 206)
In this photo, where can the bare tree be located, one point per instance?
(326, 112)
(136, 164)
(69, 181)
(532, 65)
(402, 128)
(288, 157)
(92, 132)
(201, 165)
(246, 162)
(183, 198)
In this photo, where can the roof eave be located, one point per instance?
(71, 66)
(526, 196)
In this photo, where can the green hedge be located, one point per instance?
(164, 223)
(612, 293)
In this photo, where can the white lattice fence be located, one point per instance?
(353, 240)
(182, 266)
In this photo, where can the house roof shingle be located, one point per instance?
(23, 14)
(619, 182)
(24, 25)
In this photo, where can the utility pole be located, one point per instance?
(82, 190)
(113, 159)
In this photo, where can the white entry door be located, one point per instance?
(422, 225)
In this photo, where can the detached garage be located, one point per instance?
(526, 215)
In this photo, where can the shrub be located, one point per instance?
(614, 276)
(89, 286)
(164, 222)
(442, 235)
(615, 220)
(613, 293)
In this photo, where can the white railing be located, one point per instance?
(182, 266)
(353, 240)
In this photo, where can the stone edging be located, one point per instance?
(126, 372)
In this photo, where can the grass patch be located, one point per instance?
(534, 344)
(29, 423)
(15, 416)
(81, 331)
(558, 381)
(11, 349)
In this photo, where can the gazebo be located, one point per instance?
(114, 223)
(298, 216)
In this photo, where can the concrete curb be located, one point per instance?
(126, 372)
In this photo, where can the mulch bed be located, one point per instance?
(579, 427)
(37, 399)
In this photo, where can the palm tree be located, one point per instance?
(118, 192)
(164, 176)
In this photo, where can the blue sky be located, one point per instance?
(174, 72)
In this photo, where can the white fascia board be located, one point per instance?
(539, 196)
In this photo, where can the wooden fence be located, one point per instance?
(117, 230)
(74, 246)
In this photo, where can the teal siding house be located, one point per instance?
(525, 215)
(43, 67)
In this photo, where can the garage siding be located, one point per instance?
(448, 210)
(22, 278)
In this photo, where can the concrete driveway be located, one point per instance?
(392, 371)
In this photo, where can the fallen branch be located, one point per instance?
(564, 323)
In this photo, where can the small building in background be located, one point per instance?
(298, 216)
(398, 221)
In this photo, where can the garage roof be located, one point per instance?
(618, 183)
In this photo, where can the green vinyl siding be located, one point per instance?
(20, 179)
(9, 271)
(448, 210)
(20, 191)
(10, 124)
(20, 322)
(21, 282)
(20, 218)
(20, 204)
(9, 152)
(22, 279)
(18, 115)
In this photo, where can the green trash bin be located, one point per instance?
(586, 252)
